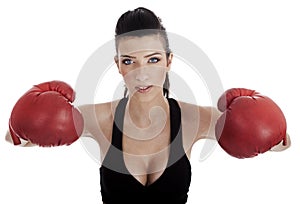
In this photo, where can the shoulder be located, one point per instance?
(197, 121)
(192, 111)
(98, 119)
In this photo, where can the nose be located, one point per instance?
(141, 75)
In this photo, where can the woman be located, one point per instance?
(146, 158)
(148, 161)
(146, 138)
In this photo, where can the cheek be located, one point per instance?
(129, 77)
(157, 75)
(122, 70)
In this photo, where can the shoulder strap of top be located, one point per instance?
(177, 150)
(113, 159)
(175, 119)
(118, 124)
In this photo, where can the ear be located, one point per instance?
(117, 63)
(169, 61)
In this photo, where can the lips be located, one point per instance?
(143, 89)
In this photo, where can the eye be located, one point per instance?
(154, 60)
(127, 61)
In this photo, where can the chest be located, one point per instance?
(164, 169)
(146, 153)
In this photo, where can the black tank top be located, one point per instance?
(119, 186)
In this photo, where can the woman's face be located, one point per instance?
(143, 63)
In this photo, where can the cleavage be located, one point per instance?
(144, 163)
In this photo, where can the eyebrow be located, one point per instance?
(155, 53)
(128, 56)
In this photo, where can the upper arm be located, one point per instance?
(199, 122)
(98, 123)
(98, 120)
(86, 111)
(91, 121)
(208, 119)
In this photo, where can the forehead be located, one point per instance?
(133, 44)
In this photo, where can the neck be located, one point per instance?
(142, 112)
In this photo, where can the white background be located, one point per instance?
(252, 44)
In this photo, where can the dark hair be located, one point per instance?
(143, 19)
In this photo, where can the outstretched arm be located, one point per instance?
(208, 119)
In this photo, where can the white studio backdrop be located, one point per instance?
(252, 44)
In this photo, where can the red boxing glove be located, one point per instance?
(45, 116)
(251, 123)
